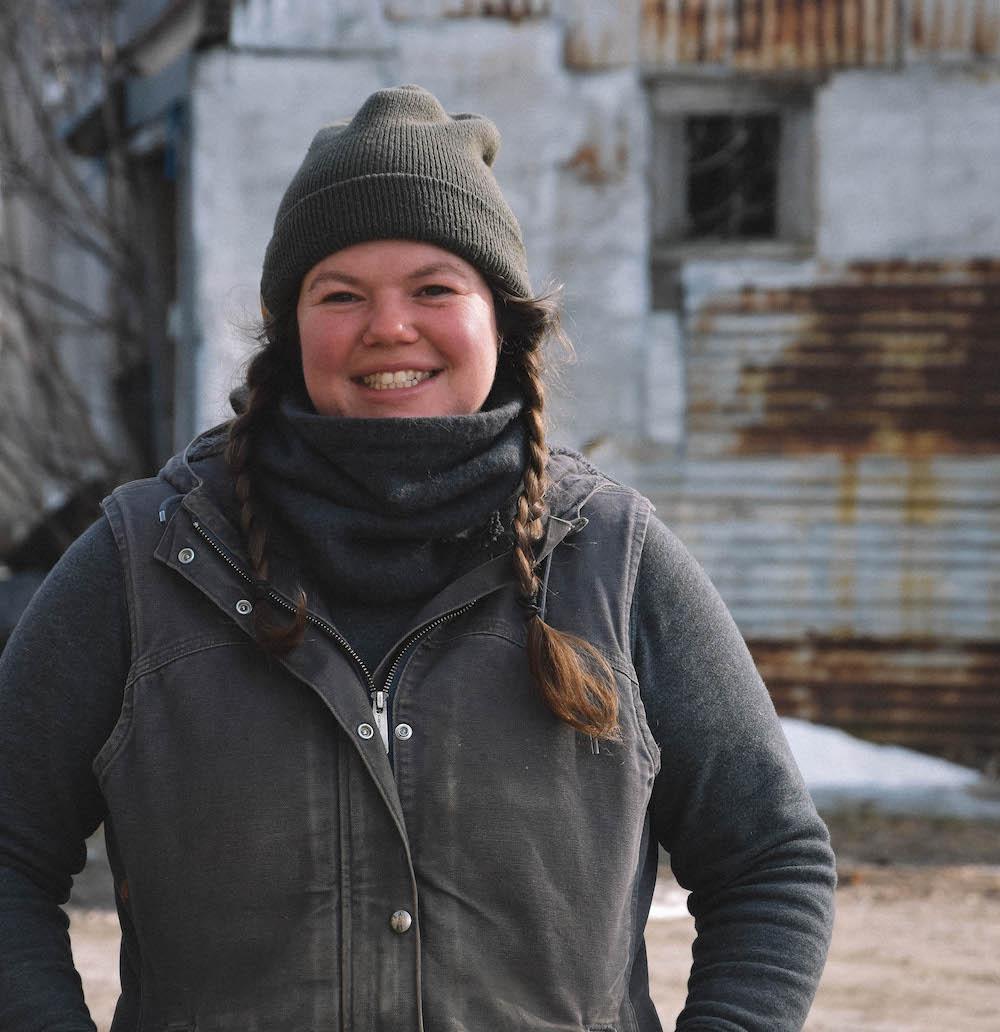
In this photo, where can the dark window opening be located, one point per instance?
(732, 176)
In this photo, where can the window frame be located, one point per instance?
(672, 100)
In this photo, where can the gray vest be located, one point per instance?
(278, 870)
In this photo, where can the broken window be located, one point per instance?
(732, 176)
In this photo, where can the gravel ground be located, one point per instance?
(915, 946)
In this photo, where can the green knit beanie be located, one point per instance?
(402, 168)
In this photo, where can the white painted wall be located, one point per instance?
(908, 164)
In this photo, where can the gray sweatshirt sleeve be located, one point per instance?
(61, 682)
(729, 805)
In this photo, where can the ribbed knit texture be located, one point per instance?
(387, 510)
(402, 168)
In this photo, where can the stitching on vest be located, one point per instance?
(179, 650)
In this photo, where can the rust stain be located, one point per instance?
(957, 40)
(937, 30)
(936, 696)
(893, 359)
(811, 35)
(921, 502)
(918, 27)
(847, 494)
(591, 167)
(986, 29)
(723, 28)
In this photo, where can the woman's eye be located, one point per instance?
(435, 290)
(339, 297)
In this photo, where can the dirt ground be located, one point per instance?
(916, 944)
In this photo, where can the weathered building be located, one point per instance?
(777, 226)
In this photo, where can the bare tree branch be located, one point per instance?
(92, 318)
(49, 134)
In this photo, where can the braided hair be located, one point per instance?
(574, 679)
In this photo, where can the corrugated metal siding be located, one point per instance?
(841, 483)
(770, 35)
(953, 28)
(939, 697)
(812, 35)
(894, 358)
(880, 546)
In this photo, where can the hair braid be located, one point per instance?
(264, 380)
(575, 680)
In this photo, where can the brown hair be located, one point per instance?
(574, 679)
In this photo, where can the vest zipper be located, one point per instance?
(279, 600)
(379, 696)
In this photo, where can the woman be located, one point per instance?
(385, 707)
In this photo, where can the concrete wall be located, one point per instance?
(908, 164)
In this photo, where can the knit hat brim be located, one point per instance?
(388, 206)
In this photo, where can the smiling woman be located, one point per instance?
(409, 330)
(387, 708)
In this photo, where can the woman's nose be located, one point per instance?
(389, 322)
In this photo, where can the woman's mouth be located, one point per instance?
(385, 381)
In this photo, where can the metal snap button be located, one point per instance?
(243, 607)
(366, 731)
(403, 731)
(400, 922)
(185, 556)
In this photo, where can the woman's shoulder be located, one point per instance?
(575, 482)
(201, 464)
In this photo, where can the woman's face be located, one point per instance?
(396, 328)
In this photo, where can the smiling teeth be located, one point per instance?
(390, 381)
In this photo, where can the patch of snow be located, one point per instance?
(841, 770)
(669, 900)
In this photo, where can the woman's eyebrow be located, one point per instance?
(339, 277)
(430, 269)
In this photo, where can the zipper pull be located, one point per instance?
(381, 716)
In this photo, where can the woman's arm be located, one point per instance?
(729, 805)
(61, 681)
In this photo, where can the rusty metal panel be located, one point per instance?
(513, 10)
(892, 358)
(953, 29)
(840, 481)
(767, 36)
(939, 697)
